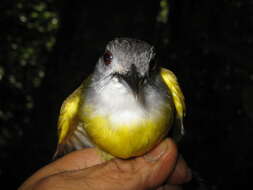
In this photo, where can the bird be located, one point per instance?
(127, 106)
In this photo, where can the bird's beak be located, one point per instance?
(134, 82)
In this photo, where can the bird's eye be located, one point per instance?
(107, 58)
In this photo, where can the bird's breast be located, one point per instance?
(126, 139)
(118, 124)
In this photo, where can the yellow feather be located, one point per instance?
(125, 141)
(171, 81)
(69, 110)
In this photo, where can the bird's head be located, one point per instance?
(128, 61)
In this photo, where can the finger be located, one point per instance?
(78, 160)
(165, 164)
(73, 161)
(181, 174)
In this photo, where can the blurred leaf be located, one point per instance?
(162, 16)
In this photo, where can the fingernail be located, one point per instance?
(157, 153)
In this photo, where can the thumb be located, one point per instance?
(144, 172)
(158, 165)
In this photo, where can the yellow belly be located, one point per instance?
(127, 140)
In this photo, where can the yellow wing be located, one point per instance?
(71, 133)
(68, 121)
(68, 114)
(171, 81)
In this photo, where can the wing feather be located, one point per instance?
(71, 133)
(68, 115)
(178, 98)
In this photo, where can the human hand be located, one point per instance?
(84, 169)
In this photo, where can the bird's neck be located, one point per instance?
(117, 103)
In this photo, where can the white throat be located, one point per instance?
(116, 102)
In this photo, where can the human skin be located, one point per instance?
(84, 169)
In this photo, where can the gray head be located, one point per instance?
(121, 54)
(126, 59)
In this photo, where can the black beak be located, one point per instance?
(134, 81)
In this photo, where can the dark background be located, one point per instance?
(48, 47)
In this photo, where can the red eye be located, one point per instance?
(107, 57)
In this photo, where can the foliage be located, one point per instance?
(26, 42)
(27, 38)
